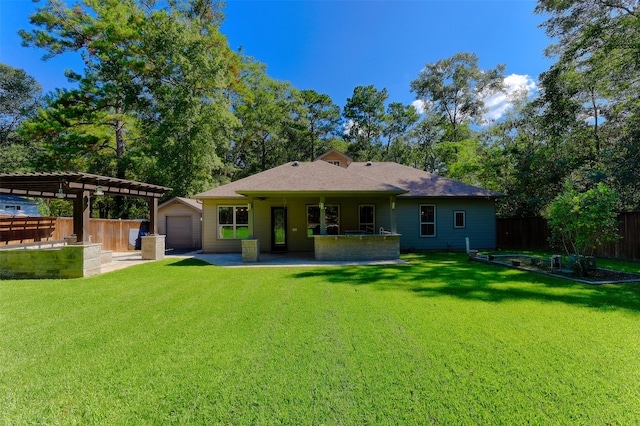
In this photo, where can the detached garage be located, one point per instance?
(180, 219)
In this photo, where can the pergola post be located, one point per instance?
(153, 216)
(81, 216)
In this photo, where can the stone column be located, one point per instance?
(153, 247)
(250, 250)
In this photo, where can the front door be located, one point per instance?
(279, 229)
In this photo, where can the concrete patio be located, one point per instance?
(122, 260)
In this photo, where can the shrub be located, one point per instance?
(582, 221)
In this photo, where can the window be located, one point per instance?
(428, 220)
(459, 219)
(233, 222)
(332, 219)
(367, 218)
(334, 162)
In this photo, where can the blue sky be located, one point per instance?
(332, 46)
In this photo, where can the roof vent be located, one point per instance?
(369, 163)
(295, 164)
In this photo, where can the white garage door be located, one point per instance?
(179, 232)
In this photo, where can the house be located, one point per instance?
(180, 219)
(12, 205)
(342, 209)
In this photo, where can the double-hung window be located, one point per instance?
(428, 220)
(233, 222)
(367, 218)
(332, 220)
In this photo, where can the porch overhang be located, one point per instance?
(316, 194)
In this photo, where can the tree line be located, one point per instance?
(163, 99)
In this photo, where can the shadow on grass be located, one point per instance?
(189, 262)
(452, 275)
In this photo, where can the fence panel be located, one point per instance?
(532, 233)
(26, 229)
(527, 233)
(116, 235)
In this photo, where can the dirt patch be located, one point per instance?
(543, 266)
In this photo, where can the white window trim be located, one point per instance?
(335, 162)
(464, 219)
(435, 220)
(373, 225)
(234, 224)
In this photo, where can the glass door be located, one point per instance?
(279, 229)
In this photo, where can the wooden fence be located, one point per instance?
(116, 235)
(532, 233)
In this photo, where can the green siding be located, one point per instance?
(480, 224)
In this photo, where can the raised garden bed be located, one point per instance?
(543, 266)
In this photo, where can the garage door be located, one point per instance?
(179, 232)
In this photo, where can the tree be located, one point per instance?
(591, 92)
(398, 120)
(582, 221)
(158, 70)
(455, 88)
(20, 96)
(320, 120)
(365, 116)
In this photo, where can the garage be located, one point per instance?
(179, 232)
(180, 219)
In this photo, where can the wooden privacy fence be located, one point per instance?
(532, 233)
(116, 235)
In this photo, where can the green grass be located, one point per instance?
(442, 341)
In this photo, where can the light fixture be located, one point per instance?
(99, 190)
(321, 206)
(60, 193)
(249, 207)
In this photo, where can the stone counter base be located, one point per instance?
(357, 247)
(71, 261)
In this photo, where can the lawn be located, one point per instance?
(441, 341)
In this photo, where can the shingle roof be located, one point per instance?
(418, 183)
(303, 177)
(320, 177)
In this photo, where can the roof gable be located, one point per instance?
(334, 156)
(189, 202)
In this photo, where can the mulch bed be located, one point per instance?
(543, 266)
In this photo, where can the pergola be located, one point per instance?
(79, 187)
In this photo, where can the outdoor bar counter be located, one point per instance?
(357, 247)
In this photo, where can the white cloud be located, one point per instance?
(418, 104)
(516, 86)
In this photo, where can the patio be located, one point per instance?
(122, 260)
